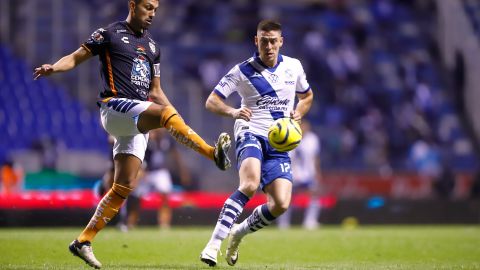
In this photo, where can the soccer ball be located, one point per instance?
(284, 134)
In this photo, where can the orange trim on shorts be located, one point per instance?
(110, 74)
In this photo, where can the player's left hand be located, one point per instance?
(296, 116)
(44, 70)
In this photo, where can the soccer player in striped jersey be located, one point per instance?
(268, 83)
(131, 103)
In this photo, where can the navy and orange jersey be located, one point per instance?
(129, 60)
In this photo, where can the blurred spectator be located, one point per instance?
(444, 184)
(210, 70)
(475, 190)
(48, 148)
(306, 176)
(427, 163)
(11, 178)
(160, 157)
(426, 159)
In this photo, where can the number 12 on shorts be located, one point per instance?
(285, 167)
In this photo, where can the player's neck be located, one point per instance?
(269, 64)
(134, 27)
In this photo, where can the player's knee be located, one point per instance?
(249, 188)
(126, 182)
(280, 207)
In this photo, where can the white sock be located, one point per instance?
(232, 208)
(259, 219)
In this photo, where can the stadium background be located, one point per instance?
(395, 91)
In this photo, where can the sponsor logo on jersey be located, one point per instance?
(141, 50)
(273, 103)
(125, 40)
(229, 77)
(140, 74)
(290, 82)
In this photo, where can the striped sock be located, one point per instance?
(232, 208)
(259, 219)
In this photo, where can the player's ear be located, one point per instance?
(131, 5)
(256, 41)
(281, 42)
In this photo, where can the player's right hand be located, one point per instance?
(44, 70)
(242, 113)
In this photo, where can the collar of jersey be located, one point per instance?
(256, 57)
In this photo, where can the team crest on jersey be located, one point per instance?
(273, 78)
(97, 36)
(140, 74)
(152, 47)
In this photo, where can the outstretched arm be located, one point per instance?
(66, 63)
(303, 106)
(216, 105)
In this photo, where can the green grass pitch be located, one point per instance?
(330, 247)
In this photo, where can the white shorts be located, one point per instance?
(155, 181)
(119, 118)
(160, 180)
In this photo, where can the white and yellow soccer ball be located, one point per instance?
(284, 134)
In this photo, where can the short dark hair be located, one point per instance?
(136, 1)
(269, 25)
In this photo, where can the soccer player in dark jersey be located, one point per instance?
(130, 71)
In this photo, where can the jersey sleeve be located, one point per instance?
(97, 41)
(228, 84)
(302, 83)
(156, 64)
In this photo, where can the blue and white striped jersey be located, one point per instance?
(268, 92)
